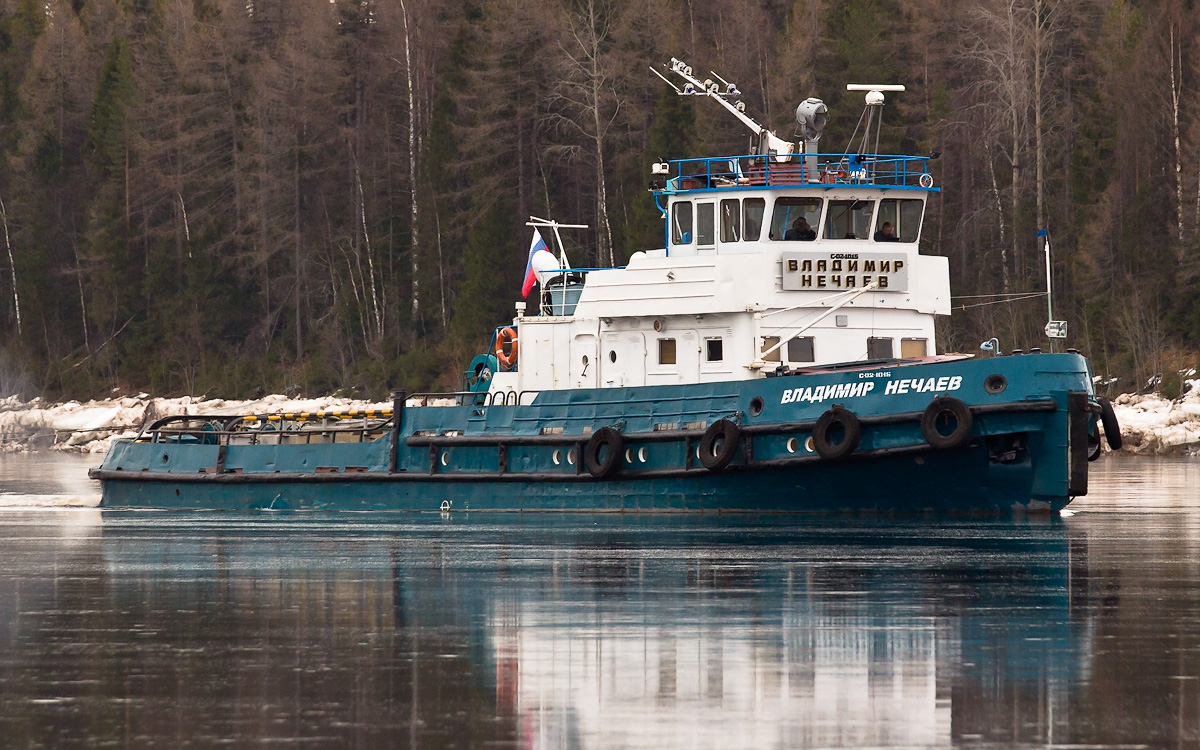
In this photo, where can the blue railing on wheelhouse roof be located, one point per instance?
(715, 173)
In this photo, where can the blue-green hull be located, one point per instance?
(1024, 451)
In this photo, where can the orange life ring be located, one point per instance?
(507, 335)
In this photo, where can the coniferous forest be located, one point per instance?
(237, 196)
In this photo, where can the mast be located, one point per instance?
(769, 143)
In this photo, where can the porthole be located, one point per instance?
(585, 360)
(629, 455)
(165, 458)
(756, 406)
(793, 445)
(557, 457)
(571, 457)
(445, 458)
(642, 454)
(612, 356)
(995, 384)
(808, 444)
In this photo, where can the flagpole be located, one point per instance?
(1045, 235)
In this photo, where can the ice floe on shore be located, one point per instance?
(1152, 424)
(92, 426)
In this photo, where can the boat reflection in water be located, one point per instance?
(583, 632)
(919, 641)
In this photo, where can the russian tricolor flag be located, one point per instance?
(538, 245)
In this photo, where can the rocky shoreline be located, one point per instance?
(1150, 424)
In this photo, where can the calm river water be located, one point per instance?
(354, 630)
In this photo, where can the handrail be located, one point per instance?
(757, 170)
(212, 432)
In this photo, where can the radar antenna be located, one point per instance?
(872, 114)
(722, 90)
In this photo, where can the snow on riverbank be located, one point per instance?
(1151, 424)
(92, 426)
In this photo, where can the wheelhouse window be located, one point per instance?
(899, 220)
(681, 223)
(713, 350)
(849, 220)
(796, 219)
(800, 349)
(752, 212)
(731, 220)
(879, 348)
(666, 351)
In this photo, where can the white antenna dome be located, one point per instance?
(544, 263)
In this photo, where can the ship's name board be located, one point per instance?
(803, 272)
(892, 387)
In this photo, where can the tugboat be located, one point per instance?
(776, 354)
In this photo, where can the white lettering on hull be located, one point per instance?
(817, 394)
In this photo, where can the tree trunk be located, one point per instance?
(298, 248)
(1016, 145)
(441, 268)
(1000, 218)
(603, 230)
(1176, 86)
(12, 265)
(376, 314)
(1016, 193)
(602, 225)
(412, 164)
(1037, 111)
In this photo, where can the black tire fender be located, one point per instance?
(964, 423)
(1094, 450)
(836, 417)
(605, 437)
(1108, 418)
(719, 444)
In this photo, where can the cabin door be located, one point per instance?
(622, 359)
(584, 351)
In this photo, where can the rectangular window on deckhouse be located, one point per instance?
(800, 349)
(796, 219)
(666, 351)
(899, 220)
(849, 220)
(706, 225)
(879, 348)
(681, 223)
(731, 220)
(910, 348)
(768, 342)
(714, 352)
(752, 211)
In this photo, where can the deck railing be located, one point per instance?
(883, 170)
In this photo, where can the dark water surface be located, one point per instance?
(139, 629)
